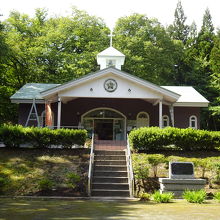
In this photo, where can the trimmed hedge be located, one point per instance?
(154, 138)
(14, 136)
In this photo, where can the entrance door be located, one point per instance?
(103, 128)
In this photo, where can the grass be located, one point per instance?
(23, 169)
(21, 209)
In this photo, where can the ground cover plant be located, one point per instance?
(217, 196)
(195, 196)
(58, 172)
(162, 197)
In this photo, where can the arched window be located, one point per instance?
(143, 119)
(43, 117)
(166, 121)
(193, 121)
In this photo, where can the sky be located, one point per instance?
(110, 11)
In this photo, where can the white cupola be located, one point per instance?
(110, 57)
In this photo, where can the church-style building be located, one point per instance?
(109, 102)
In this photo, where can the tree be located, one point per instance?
(50, 50)
(179, 30)
(150, 53)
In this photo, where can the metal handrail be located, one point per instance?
(130, 169)
(91, 161)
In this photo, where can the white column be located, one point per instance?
(160, 113)
(59, 113)
(171, 108)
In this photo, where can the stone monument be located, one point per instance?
(181, 178)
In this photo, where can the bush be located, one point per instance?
(140, 166)
(45, 184)
(13, 136)
(162, 198)
(204, 164)
(217, 196)
(73, 180)
(195, 196)
(144, 196)
(216, 168)
(154, 160)
(154, 138)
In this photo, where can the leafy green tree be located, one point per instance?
(50, 50)
(150, 53)
(215, 81)
(179, 30)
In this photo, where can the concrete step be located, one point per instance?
(109, 157)
(117, 186)
(99, 192)
(110, 173)
(109, 152)
(108, 179)
(110, 168)
(110, 162)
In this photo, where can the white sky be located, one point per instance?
(110, 11)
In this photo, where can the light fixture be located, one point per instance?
(91, 89)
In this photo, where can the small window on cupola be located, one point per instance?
(110, 63)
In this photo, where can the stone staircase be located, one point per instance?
(110, 174)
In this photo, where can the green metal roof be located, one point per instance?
(32, 91)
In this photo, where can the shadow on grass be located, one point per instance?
(20, 209)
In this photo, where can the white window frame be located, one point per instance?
(167, 119)
(192, 119)
(148, 119)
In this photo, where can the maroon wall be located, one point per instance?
(182, 115)
(72, 111)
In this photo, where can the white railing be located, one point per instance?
(91, 161)
(130, 169)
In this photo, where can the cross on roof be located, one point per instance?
(111, 35)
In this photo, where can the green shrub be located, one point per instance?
(217, 196)
(162, 198)
(204, 164)
(3, 183)
(140, 166)
(195, 196)
(144, 196)
(45, 184)
(73, 180)
(154, 138)
(69, 137)
(13, 136)
(154, 160)
(216, 169)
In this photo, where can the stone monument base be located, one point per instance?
(178, 186)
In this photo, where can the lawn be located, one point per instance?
(22, 169)
(20, 209)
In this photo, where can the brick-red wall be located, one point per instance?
(72, 111)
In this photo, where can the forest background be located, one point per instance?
(43, 49)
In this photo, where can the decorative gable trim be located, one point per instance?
(101, 73)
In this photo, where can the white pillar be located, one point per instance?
(59, 113)
(160, 113)
(171, 108)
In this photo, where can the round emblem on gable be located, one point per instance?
(110, 85)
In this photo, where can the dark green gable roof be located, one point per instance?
(32, 91)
